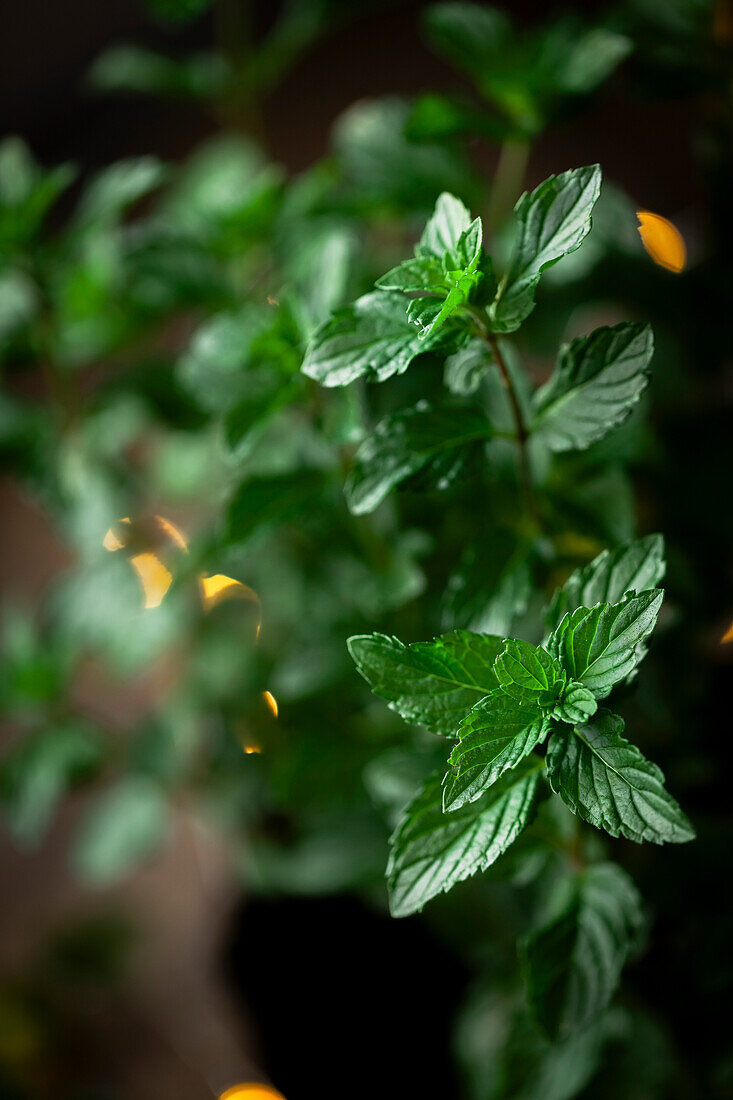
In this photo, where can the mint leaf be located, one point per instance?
(439, 118)
(464, 369)
(529, 674)
(382, 168)
(116, 188)
(130, 68)
(37, 772)
(450, 230)
(121, 830)
(636, 566)
(448, 265)
(552, 221)
(491, 585)
(573, 963)
(471, 35)
(433, 683)
(224, 363)
(532, 1068)
(577, 704)
(608, 782)
(431, 851)
(581, 65)
(372, 339)
(598, 646)
(597, 381)
(420, 438)
(528, 75)
(494, 736)
(264, 502)
(412, 276)
(429, 314)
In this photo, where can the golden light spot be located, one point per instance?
(249, 749)
(111, 541)
(154, 577)
(253, 1091)
(220, 587)
(174, 533)
(271, 701)
(728, 636)
(272, 301)
(662, 240)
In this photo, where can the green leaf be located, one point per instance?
(128, 68)
(597, 381)
(552, 221)
(371, 339)
(18, 303)
(573, 963)
(577, 704)
(447, 231)
(214, 366)
(26, 191)
(265, 501)
(225, 196)
(37, 773)
(503, 1054)
(608, 782)
(491, 585)
(121, 831)
(244, 424)
(412, 276)
(598, 646)
(635, 566)
(321, 264)
(527, 76)
(495, 735)
(449, 264)
(591, 59)
(382, 167)
(431, 851)
(440, 118)
(117, 187)
(529, 674)
(471, 35)
(433, 683)
(421, 438)
(593, 500)
(464, 370)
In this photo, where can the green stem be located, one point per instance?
(233, 28)
(520, 428)
(507, 185)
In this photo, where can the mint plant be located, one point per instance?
(349, 434)
(523, 720)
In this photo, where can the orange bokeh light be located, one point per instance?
(271, 701)
(662, 240)
(252, 1091)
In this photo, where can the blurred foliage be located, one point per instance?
(152, 330)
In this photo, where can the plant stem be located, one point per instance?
(507, 184)
(521, 427)
(240, 108)
(521, 431)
